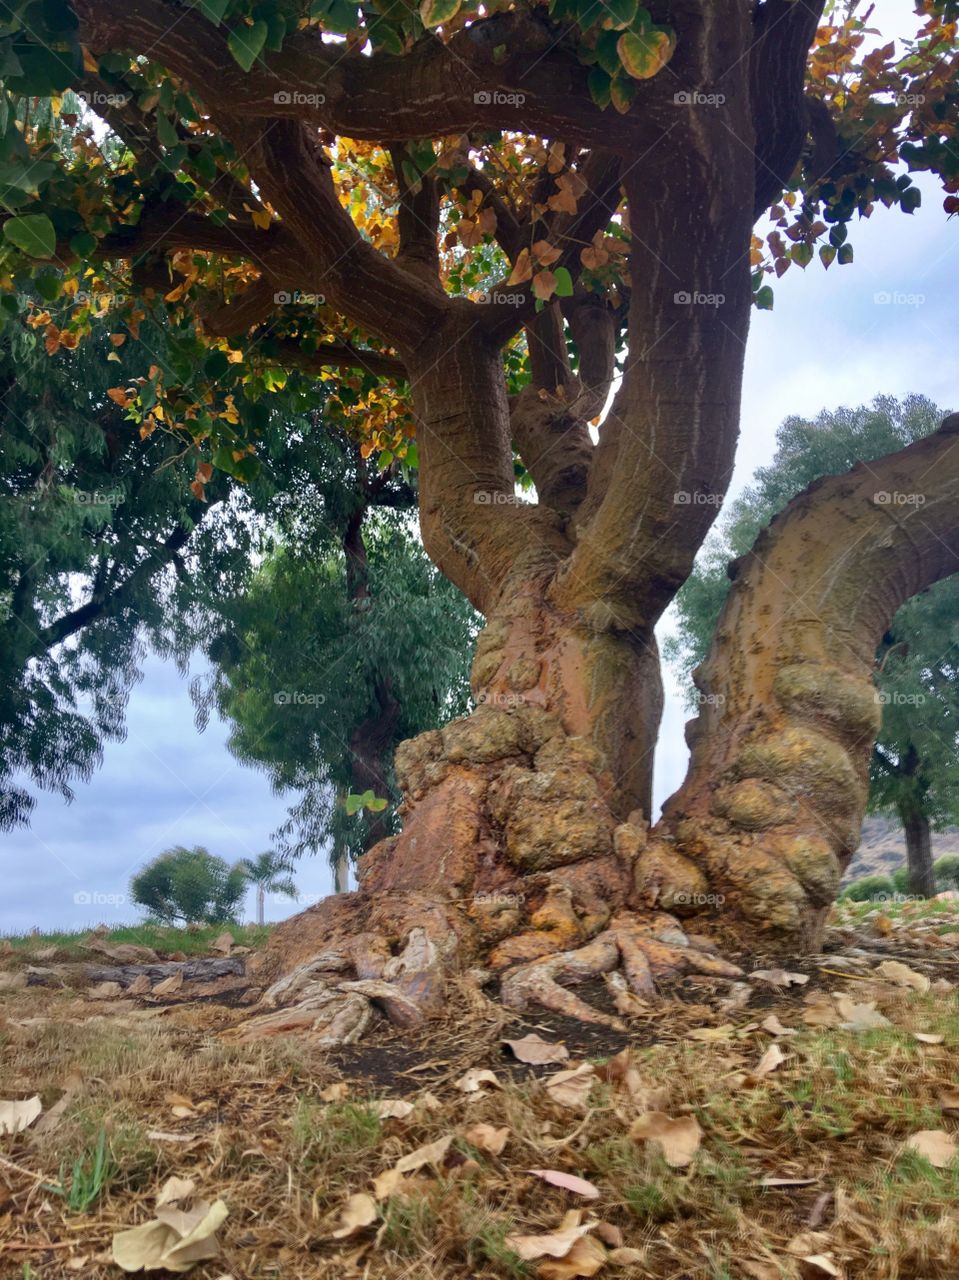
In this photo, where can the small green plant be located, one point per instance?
(92, 1172)
(368, 800)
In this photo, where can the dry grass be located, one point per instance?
(260, 1134)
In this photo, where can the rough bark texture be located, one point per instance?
(525, 856)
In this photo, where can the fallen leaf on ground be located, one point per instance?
(140, 986)
(786, 1182)
(392, 1108)
(949, 1099)
(780, 977)
(45, 953)
(335, 1092)
(771, 1059)
(358, 1212)
(224, 943)
(16, 1116)
(899, 973)
(627, 1257)
(586, 1257)
(761, 1270)
(488, 1138)
(177, 1238)
(819, 1266)
(169, 986)
(105, 991)
(572, 1088)
(927, 1037)
(555, 1244)
(711, 1034)
(609, 1234)
(12, 981)
(937, 1146)
(678, 1139)
(533, 1049)
(820, 1011)
(71, 1086)
(776, 1028)
(859, 1017)
(568, 1181)
(432, 1153)
(474, 1079)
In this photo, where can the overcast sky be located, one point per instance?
(828, 342)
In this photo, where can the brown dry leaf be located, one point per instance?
(820, 1011)
(780, 977)
(949, 1099)
(571, 1088)
(761, 1270)
(105, 991)
(535, 1050)
(786, 1182)
(335, 1092)
(586, 1257)
(556, 1244)
(627, 1257)
(12, 981)
(386, 1183)
(45, 953)
(927, 1037)
(224, 943)
(859, 1017)
(392, 1108)
(819, 1266)
(678, 1139)
(899, 973)
(711, 1035)
(140, 986)
(771, 1059)
(169, 986)
(16, 1116)
(609, 1234)
(488, 1138)
(474, 1079)
(177, 1238)
(776, 1028)
(358, 1212)
(937, 1146)
(71, 1086)
(544, 285)
(568, 1181)
(432, 1153)
(523, 269)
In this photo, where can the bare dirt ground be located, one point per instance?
(777, 1128)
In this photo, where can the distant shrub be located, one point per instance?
(900, 880)
(946, 870)
(870, 887)
(190, 886)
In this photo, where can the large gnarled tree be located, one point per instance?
(483, 223)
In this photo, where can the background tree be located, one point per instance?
(191, 886)
(269, 872)
(339, 650)
(324, 189)
(914, 772)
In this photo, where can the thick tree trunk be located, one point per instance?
(772, 806)
(922, 878)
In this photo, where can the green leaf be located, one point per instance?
(764, 298)
(622, 91)
(33, 234)
(620, 14)
(845, 255)
(83, 244)
(599, 86)
(644, 53)
(166, 131)
(435, 12)
(246, 43)
(564, 283)
(213, 9)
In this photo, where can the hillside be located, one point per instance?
(883, 848)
